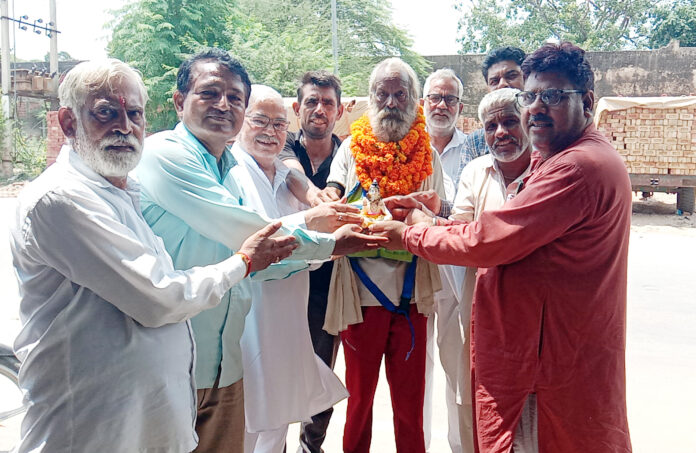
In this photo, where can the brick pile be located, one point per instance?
(653, 141)
(467, 124)
(55, 137)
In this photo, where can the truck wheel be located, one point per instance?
(685, 199)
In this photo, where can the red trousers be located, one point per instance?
(385, 334)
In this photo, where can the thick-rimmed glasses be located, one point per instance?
(450, 99)
(262, 121)
(549, 97)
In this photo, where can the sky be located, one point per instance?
(80, 22)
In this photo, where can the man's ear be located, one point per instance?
(67, 121)
(421, 102)
(296, 108)
(340, 111)
(179, 102)
(461, 107)
(588, 103)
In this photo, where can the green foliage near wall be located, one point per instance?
(276, 40)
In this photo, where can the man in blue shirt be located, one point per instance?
(193, 204)
(502, 68)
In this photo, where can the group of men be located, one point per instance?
(197, 307)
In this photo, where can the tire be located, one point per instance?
(685, 199)
(9, 370)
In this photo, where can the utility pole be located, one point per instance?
(6, 168)
(334, 36)
(53, 60)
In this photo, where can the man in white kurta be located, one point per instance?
(284, 380)
(106, 355)
(485, 184)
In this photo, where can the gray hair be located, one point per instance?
(91, 76)
(400, 65)
(498, 99)
(262, 93)
(440, 74)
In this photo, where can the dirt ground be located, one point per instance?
(660, 351)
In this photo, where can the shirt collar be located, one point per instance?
(457, 139)
(227, 160)
(281, 170)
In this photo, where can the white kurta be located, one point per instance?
(284, 380)
(106, 354)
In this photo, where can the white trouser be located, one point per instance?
(266, 441)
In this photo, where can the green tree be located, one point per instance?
(276, 40)
(676, 21)
(155, 36)
(591, 24)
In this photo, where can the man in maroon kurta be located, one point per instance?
(549, 313)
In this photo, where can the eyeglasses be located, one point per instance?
(549, 97)
(261, 121)
(450, 99)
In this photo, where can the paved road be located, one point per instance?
(661, 347)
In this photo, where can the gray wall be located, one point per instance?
(667, 71)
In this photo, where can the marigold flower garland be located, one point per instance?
(399, 167)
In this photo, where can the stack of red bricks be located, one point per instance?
(55, 138)
(653, 141)
(468, 125)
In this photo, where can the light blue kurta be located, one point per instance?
(196, 208)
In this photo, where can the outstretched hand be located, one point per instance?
(401, 205)
(393, 231)
(263, 250)
(350, 239)
(328, 217)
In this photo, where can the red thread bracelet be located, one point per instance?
(247, 261)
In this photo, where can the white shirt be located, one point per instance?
(451, 158)
(107, 358)
(284, 380)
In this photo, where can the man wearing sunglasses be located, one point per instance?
(549, 310)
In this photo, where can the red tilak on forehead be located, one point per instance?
(122, 100)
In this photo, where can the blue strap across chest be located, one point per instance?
(406, 294)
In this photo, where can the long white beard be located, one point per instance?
(107, 163)
(390, 125)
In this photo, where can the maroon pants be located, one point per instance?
(385, 334)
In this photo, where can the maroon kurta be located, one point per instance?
(549, 313)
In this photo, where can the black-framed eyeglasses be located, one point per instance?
(262, 121)
(450, 99)
(550, 97)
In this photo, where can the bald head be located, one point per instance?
(265, 126)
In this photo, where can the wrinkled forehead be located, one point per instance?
(121, 90)
(391, 77)
(500, 112)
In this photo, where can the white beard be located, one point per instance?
(438, 127)
(107, 163)
(390, 125)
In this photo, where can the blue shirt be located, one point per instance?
(196, 208)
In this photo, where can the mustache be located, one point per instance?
(119, 139)
(542, 118)
(267, 138)
(319, 116)
(507, 138)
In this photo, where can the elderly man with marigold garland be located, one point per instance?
(379, 300)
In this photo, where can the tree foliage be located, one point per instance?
(155, 35)
(277, 41)
(591, 24)
(676, 21)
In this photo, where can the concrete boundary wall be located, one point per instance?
(669, 71)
